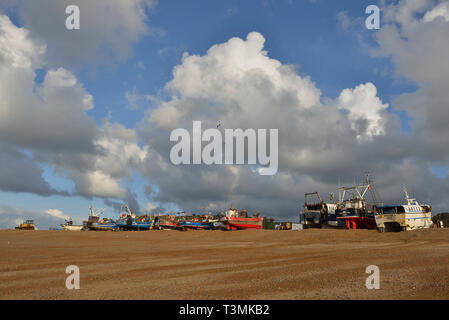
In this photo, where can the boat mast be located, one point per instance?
(374, 194)
(410, 201)
(124, 209)
(358, 192)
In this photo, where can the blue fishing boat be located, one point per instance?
(197, 225)
(94, 222)
(204, 221)
(129, 221)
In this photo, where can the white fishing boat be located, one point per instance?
(73, 228)
(409, 216)
(69, 226)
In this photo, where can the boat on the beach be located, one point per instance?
(69, 226)
(198, 222)
(352, 207)
(234, 220)
(94, 222)
(355, 211)
(317, 213)
(409, 216)
(196, 225)
(168, 222)
(129, 221)
(351, 211)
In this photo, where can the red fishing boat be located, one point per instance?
(168, 222)
(235, 220)
(355, 211)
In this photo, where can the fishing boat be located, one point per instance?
(196, 225)
(69, 226)
(408, 216)
(129, 221)
(317, 213)
(94, 222)
(235, 220)
(143, 222)
(195, 222)
(354, 210)
(168, 222)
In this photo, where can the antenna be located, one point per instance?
(410, 201)
(404, 188)
(371, 186)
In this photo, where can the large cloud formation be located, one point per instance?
(237, 84)
(108, 28)
(416, 40)
(321, 141)
(50, 121)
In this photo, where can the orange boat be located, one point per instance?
(235, 220)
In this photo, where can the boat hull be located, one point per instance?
(170, 225)
(103, 227)
(73, 228)
(135, 225)
(233, 223)
(356, 222)
(196, 225)
(315, 219)
(404, 221)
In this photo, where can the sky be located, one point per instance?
(86, 115)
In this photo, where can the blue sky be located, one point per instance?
(306, 34)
